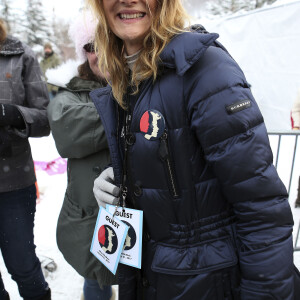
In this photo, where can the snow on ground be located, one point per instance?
(65, 283)
(281, 2)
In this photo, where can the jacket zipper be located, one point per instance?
(165, 157)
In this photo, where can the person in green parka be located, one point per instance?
(79, 136)
(50, 61)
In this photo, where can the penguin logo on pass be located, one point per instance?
(107, 239)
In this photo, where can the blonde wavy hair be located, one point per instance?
(3, 31)
(169, 20)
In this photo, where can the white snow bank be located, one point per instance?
(283, 2)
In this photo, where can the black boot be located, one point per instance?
(297, 202)
(47, 296)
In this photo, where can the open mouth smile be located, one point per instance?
(131, 16)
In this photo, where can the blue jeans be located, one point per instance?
(52, 95)
(17, 210)
(92, 290)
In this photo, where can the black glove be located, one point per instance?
(11, 116)
(5, 143)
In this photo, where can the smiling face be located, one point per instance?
(130, 20)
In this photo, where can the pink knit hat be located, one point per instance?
(82, 32)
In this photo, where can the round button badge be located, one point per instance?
(152, 125)
(107, 239)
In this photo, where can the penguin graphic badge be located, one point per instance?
(107, 239)
(152, 125)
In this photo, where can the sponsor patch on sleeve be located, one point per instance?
(238, 106)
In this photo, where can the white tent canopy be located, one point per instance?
(266, 44)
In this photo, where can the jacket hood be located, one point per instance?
(186, 48)
(11, 46)
(181, 53)
(61, 75)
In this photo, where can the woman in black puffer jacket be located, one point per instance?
(217, 222)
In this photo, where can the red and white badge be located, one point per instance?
(152, 125)
(108, 239)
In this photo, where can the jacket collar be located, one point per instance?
(77, 84)
(181, 53)
(11, 46)
(185, 49)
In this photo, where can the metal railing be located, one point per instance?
(290, 154)
(295, 134)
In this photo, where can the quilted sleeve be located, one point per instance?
(231, 131)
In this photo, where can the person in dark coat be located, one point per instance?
(189, 148)
(23, 103)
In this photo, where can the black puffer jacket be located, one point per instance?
(217, 221)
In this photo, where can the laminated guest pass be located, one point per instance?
(132, 249)
(108, 240)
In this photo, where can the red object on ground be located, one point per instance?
(37, 190)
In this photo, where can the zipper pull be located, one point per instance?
(124, 196)
(163, 147)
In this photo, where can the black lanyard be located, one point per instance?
(129, 138)
(127, 134)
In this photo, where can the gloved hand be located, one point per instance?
(11, 116)
(5, 143)
(104, 189)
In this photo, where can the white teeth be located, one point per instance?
(131, 16)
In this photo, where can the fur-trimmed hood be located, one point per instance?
(62, 75)
(11, 46)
